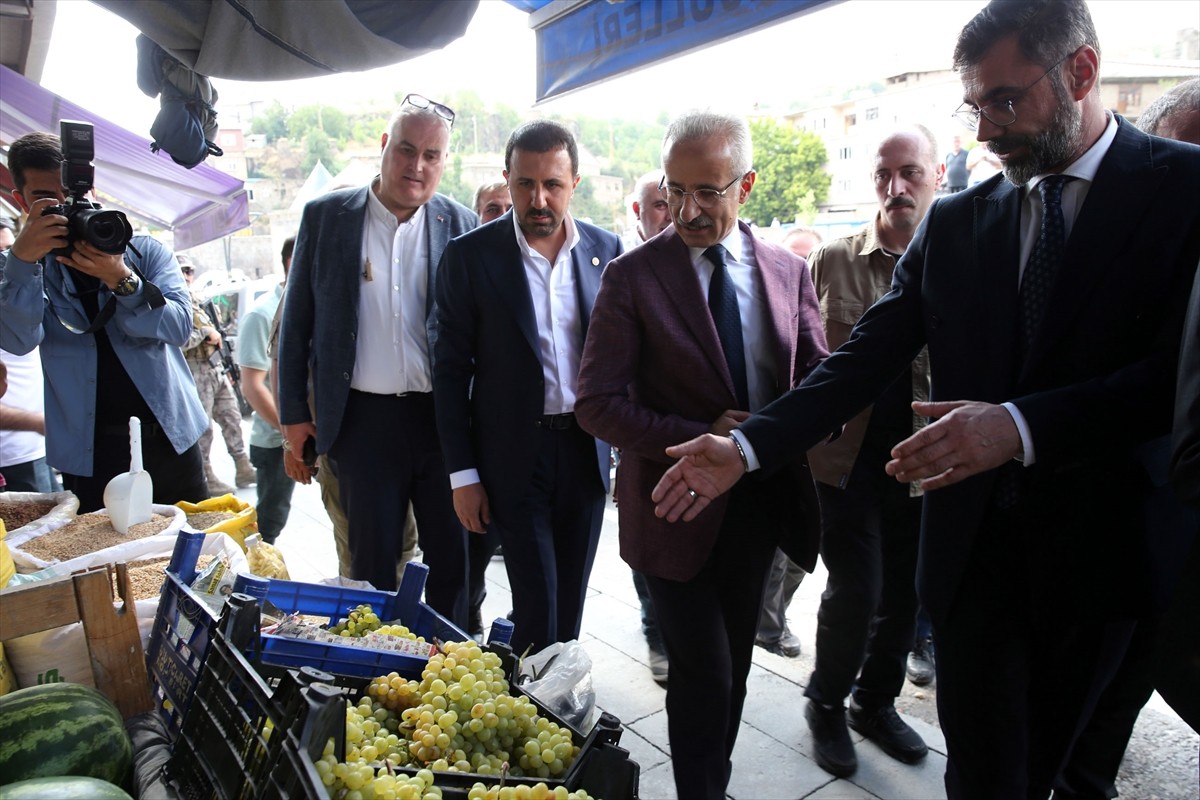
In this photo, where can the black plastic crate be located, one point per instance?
(226, 749)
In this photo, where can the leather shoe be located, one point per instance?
(884, 727)
(787, 645)
(832, 749)
(920, 666)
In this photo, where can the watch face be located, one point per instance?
(126, 286)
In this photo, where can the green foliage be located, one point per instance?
(791, 177)
(272, 123)
(320, 147)
(453, 185)
(330, 121)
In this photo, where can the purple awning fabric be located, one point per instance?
(197, 205)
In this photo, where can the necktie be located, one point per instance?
(722, 302)
(1042, 268)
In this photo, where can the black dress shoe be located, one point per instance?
(884, 727)
(832, 749)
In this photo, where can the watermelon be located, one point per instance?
(65, 787)
(62, 729)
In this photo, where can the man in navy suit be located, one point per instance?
(513, 300)
(359, 311)
(1052, 300)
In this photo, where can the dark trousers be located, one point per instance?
(176, 476)
(274, 491)
(1015, 677)
(386, 455)
(30, 476)
(549, 535)
(708, 625)
(867, 618)
(480, 549)
(649, 623)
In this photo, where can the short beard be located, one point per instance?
(1051, 147)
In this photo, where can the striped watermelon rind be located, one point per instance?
(63, 787)
(62, 729)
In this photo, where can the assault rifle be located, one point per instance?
(228, 364)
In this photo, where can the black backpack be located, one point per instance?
(186, 124)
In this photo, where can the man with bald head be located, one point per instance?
(869, 521)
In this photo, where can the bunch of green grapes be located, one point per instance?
(467, 721)
(396, 629)
(360, 780)
(394, 692)
(539, 791)
(362, 619)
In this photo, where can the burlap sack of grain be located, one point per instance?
(243, 523)
(132, 550)
(66, 505)
(53, 656)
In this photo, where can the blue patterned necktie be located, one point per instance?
(1037, 284)
(722, 302)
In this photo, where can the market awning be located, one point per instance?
(197, 205)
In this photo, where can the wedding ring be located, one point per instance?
(692, 493)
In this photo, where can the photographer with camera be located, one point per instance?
(110, 313)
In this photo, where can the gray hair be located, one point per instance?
(705, 124)
(1046, 30)
(653, 178)
(486, 188)
(409, 110)
(1181, 99)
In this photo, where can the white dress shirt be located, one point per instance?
(391, 346)
(559, 327)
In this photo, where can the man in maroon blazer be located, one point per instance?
(690, 333)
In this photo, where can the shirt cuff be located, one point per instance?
(1028, 456)
(747, 450)
(464, 477)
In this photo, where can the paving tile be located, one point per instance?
(623, 686)
(840, 790)
(657, 783)
(764, 769)
(884, 776)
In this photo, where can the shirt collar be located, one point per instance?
(379, 212)
(523, 243)
(732, 243)
(1087, 165)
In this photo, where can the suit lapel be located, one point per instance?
(780, 288)
(995, 244)
(588, 267)
(1124, 186)
(437, 229)
(351, 222)
(671, 265)
(506, 272)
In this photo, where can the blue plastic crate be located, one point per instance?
(184, 626)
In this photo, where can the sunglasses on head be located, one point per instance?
(418, 101)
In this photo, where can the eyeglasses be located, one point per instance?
(1000, 112)
(445, 112)
(705, 198)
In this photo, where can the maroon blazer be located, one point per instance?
(653, 374)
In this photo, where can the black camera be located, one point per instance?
(108, 231)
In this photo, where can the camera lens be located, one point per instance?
(108, 231)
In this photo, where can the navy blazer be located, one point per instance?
(488, 382)
(327, 270)
(1099, 381)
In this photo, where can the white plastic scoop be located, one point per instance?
(128, 496)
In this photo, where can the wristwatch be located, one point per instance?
(126, 286)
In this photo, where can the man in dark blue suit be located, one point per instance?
(513, 300)
(359, 312)
(1052, 300)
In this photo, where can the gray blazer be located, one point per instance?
(326, 269)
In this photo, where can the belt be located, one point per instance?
(556, 422)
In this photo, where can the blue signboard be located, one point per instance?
(600, 39)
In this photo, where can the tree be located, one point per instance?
(791, 173)
(271, 123)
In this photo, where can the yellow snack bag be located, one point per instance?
(243, 524)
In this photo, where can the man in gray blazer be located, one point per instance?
(367, 258)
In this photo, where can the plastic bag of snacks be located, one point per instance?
(265, 559)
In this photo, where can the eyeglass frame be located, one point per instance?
(720, 195)
(969, 115)
(441, 109)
